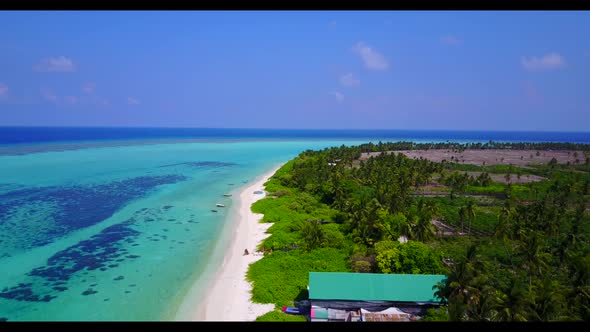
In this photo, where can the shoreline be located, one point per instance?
(228, 297)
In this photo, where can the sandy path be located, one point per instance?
(229, 297)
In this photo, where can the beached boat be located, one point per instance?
(292, 310)
(219, 205)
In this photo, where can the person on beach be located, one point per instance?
(246, 252)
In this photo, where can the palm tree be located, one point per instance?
(514, 303)
(431, 209)
(503, 229)
(535, 256)
(462, 214)
(574, 237)
(424, 229)
(470, 213)
(503, 226)
(458, 289)
(484, 304)
(405, 228)
(549, 302)
(365, 219)
(455, 289)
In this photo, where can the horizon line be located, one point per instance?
(300, 129)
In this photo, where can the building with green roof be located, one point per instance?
(372, 291)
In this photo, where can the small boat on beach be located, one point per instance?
(292, 310)
(219, 205)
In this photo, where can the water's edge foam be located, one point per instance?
(190, 299)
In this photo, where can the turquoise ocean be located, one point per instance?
(120, 227)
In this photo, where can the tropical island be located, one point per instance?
(506, 223)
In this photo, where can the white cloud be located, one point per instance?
(89, 87)
(349, 80)
(58, 64)
(3, 90)
(49, 95)
(546, 62)
(339, 96)
(450, 40)
(132, 101)
(372, 59)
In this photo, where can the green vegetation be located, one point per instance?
(282, 277)
(279, 316)
(436, 314)
(370, 147)
(412, 257)
(510, 251)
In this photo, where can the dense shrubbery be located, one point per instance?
(282, 277)
(411, 257)
(279, 316)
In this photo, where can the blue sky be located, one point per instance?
(301, 69)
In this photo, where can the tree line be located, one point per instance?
(535, 265)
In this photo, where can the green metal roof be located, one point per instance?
(373, 286)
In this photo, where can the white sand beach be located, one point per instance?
(229, 298)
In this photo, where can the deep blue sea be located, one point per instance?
(116, 223)
(35, 135)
